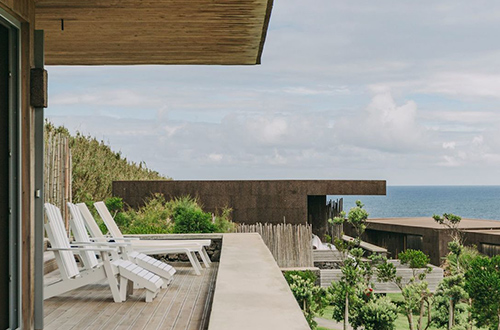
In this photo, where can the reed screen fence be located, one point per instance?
(289, 244)
(57, 171)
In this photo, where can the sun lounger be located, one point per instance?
(148, 249)
(117, 272)
(77, 224)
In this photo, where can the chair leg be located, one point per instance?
(204, 251)
(205, 258)
(150, 296)
(195, 257)
(125, 286)
(194, 262)
(113, 283)
(130, 288)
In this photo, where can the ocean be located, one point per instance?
(476, 202)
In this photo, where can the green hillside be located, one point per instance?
(95, 166)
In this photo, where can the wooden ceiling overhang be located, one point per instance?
(125, 32)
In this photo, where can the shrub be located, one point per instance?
(192, 220)
(157, 216)
(304, 274)
(482, 282)
(312, 299)
(223, 223)
(152, 218)
(378, 314)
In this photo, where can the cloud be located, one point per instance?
(449, 145)
(464, 84)
(341, 93)
(328, 90)
(107, 97)
(384, 125)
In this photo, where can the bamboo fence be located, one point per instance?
(57, 172)
(289, 244)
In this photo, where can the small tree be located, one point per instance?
(482, 282)
(453, 302)
(352, 266)
(452, 222)
(415, 291)
(451, 291)
(353, 299)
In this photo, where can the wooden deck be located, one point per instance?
(185, 304)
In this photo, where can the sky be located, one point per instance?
(403, 91)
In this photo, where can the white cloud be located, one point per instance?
(108, 97)
(449, 161)
(449, 145)
(215, 157)
(465, 84)
(383, 125)
(341, 93)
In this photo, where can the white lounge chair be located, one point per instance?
(117, 272)
(146, 245)
(150, 249)
(77, 224)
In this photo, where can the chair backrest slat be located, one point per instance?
(57, 235)
(92, 226)
(108, 220)
(80, 233)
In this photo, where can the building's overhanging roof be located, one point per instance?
(121, 32)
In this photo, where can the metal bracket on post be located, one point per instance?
(39, 88)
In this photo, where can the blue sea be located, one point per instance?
(476, 202)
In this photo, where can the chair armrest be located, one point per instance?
(76, 248)
(102, 244)
(126, 238)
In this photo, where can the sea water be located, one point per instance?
(476, 202)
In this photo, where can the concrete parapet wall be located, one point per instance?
(251, 292)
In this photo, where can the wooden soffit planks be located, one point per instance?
(121, 32)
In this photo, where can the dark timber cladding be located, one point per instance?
(400, 234)
(94, 32)
(252, 201)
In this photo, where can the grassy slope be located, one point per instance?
(95, 166)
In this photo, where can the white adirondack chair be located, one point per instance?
(77, 224)
(151, 245)
(116, 272)
(96, 234)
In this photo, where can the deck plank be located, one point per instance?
(182, 305)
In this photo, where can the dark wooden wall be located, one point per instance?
(434, 241)
(263, 201)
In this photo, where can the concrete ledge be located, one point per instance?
(251, 292)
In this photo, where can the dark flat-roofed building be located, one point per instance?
(252, 201)
(486, 240)
(425, 234)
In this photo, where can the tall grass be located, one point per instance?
(95, 166)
